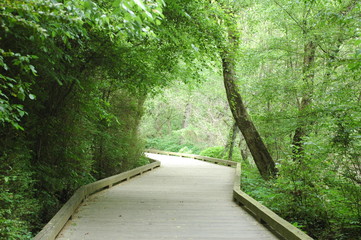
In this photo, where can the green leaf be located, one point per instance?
(32, 96)
(17, 126)
(140, 4)
(21, 113)
(33, 70)
(116, 3)
(21, 96)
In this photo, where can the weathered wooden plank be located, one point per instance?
(260, 212)
(54, 226)
(184, 199)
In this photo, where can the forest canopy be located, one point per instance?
(86, 85)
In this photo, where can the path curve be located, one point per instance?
(183, 199)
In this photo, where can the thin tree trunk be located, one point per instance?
(244, 155)
(231, 141)
(258, 149)
(242, 145)
(186, 115)
(308, 75)
(185, 122)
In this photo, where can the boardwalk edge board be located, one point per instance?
(56, 224)
(263, 214)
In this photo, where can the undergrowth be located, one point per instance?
(325, 207)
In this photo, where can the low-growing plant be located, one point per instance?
(171, 144)
(312, 198)
(216, 152)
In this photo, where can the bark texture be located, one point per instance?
(260, 154)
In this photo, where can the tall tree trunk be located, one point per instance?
(228, 149)
(260, 154)
(262, 158)
(259, 151)
(242, 145)
(308, 75)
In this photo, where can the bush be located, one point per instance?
(171, 144)
(18, 207)
(311, 198)
(142, 161)
(216, 152)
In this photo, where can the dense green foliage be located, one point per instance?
(173, 119)
(320, 186)
(316, 200)
(298, 68)
(73, 79)
(77, 76)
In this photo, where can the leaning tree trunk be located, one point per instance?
(258, 149)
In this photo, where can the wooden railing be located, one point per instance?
(263, 214)
(55, 225)
(198, 157)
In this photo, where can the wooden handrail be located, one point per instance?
(56, 224)
(263, 214)
(198, 157)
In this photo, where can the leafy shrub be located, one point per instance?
(142, 161)
(185, 149)
(18, 207)
(216, 152)
(166, 144)
(310, 197)
(171, 144)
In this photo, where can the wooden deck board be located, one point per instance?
(183, 199)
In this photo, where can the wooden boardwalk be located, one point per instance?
(183, 199)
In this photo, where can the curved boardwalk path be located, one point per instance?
(183, 199)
